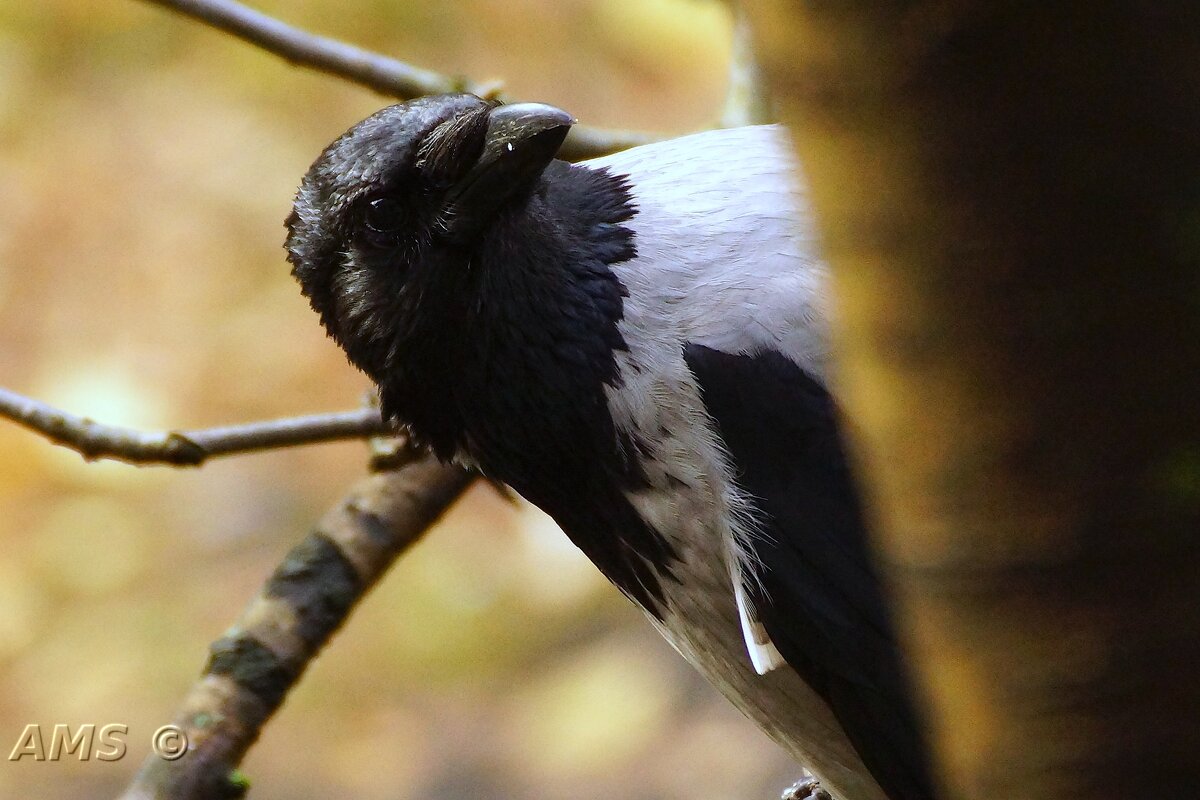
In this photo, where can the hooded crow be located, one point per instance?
(637, 345)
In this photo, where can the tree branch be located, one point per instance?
(383, 74)
(747, 101)
(1007, 198)
(312, 592)
(93, 440)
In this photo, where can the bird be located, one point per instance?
(638, 345)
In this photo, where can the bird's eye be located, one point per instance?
(383, 216)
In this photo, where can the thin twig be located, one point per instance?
(256, 663)
(383, 74)
(584, 142)
(746, 101)
(93, 440)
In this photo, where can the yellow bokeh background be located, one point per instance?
(146, 166)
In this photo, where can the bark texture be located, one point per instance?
(1009, 195)
(255, 664)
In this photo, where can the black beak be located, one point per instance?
(521, 141)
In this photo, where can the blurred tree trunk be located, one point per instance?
(1009, 194)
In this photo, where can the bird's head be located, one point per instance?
(389, 214)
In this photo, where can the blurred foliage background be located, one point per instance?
(146, 166)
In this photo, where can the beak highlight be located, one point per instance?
(526, 130)
(521, 141)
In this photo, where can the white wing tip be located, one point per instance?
(764, 656)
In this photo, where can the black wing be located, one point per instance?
(821, 599)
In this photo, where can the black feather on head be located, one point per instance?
(393, 225)
(390, 212)
(469, 274)
(366, 202)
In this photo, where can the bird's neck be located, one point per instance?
(524, 329)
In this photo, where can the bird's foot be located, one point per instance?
(805, 789)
